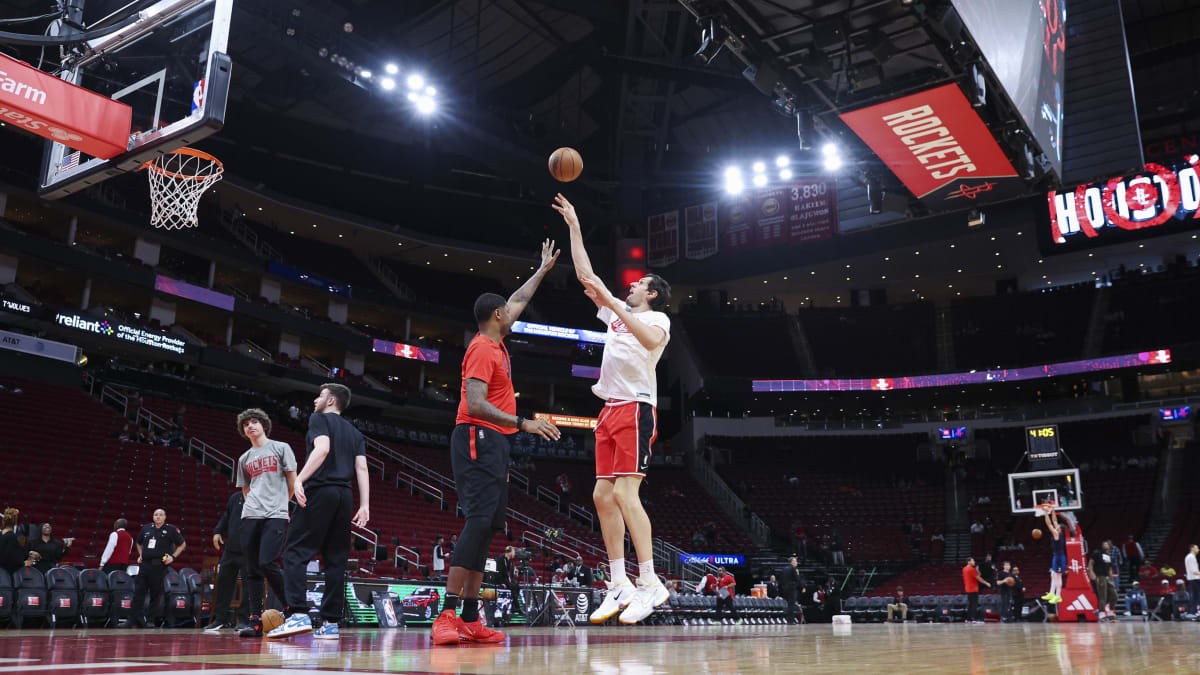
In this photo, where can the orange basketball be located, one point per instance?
(565, 165)
(1037, 534)
(272, 619)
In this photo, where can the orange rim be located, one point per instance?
(191, 152)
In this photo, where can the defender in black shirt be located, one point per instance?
(336, 457)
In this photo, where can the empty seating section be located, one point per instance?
(335, 263)
(750, 345)
(867, 500)
(1152, 312)
(872, 341)
(1020, 330)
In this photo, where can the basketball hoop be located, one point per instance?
(177, 179)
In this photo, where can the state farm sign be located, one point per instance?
(1160, 199)
(49, 107)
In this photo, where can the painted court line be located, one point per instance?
(72, 666)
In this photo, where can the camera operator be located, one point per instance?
(506, 572)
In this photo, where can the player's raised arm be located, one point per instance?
(520, 299)
(579, 256)
(650, 337)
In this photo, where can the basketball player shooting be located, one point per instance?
(636, 337)
(479, 455)
(1058, 554)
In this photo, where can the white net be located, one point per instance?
(177, 181)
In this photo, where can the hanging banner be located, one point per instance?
(700, 227)
(938, 147)
(662, 239)
(801, 211)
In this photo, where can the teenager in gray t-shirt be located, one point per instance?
(266, 473)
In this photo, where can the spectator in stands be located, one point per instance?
(1182, 600)
(707, 585)
(1164, 601)
(49, 549)
(976, 527)
(563, 482)
(698, 539)
(1018, 594)
(899, 603)
(800, 539)
(725, 594)
(117, 551)
(1135, 597)
(1193, 579)
(1118, 563)
(228, 532)
(583, 573)
(440, 556)
(971, 581)
(12, 551)
(1147, 571)
(124, 434)
(835, 549)
(1134, 555)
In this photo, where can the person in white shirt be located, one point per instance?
(439, 557)
(638, 332)
(1193, 579)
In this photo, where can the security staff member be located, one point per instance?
(158, 544)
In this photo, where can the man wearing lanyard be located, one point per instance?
(158, 544)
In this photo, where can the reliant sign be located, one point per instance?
(122, 331)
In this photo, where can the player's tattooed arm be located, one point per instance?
(479, 407)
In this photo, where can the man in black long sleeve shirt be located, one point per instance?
(507, 571)
(790, 584)
(232, 563)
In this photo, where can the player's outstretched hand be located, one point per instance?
(298, 493)
(597, 291)
(362, 516)
(567, 209)
(549, 254)
(542, 428)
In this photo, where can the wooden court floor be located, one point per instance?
(818, 648)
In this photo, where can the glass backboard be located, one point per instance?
(1027, 491)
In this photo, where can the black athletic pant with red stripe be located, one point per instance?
(479, 456)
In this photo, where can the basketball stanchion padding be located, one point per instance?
(177, 180)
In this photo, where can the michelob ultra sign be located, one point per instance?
(1158, 200)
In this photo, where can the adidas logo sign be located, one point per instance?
(1081, 604)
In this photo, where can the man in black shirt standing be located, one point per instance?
(1018, 594)
(1004, 581)
(228, 532)
(336, 457)
(158, 544)
(790, 584)
(1100, 571)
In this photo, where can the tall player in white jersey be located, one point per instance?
(628, 424)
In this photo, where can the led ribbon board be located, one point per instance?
(404, 351)
(981, 377)
(560, 332)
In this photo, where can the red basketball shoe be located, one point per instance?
(446, 629)
(477, 632)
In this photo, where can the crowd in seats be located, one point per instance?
(872, 341)
(881, 508)
(718, 345)
(1022, 329)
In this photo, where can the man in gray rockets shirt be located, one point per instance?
(266, 473)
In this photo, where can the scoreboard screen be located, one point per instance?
(1042, 443)
(950, 433)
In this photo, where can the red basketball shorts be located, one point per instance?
(625, 433)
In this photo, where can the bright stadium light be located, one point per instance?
(782, 161)
(829, 149)
(387, 83)
(430, 91)
(785, 174)
(833, 163)
(391, 69)
(365, 74)
(426, 105)
(415, 82)
(760, 167)
(760, 179)
(732, 172)
(413, 96)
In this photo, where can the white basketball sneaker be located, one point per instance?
(645, 599)
(618, 597)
